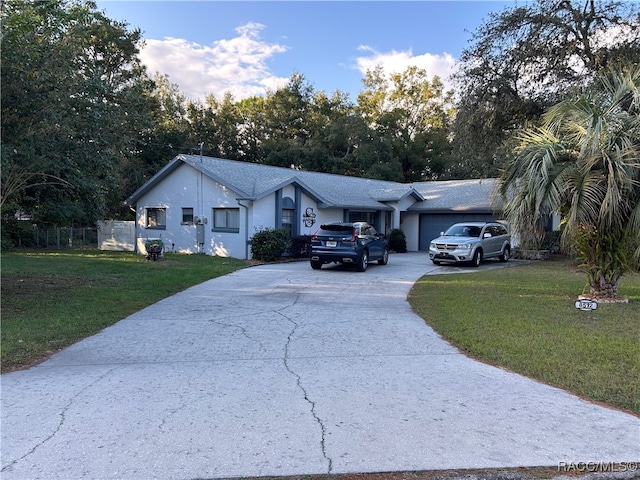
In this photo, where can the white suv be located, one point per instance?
(471, 242)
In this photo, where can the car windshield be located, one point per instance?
(463, 231)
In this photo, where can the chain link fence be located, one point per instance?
(60, 238)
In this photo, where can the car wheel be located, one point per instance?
(316, 265)
(506, 255)
(385, 257)
(364, 262)
(477, 258)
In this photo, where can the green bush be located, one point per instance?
(17, 233)
(269, 244)
(397, 241)
(551, 241)
(301, 246)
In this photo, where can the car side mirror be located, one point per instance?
(441, 234)
(486, 235)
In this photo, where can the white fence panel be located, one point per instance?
(117, 235)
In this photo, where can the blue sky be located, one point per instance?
(247, 47)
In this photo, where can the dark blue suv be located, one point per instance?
(355, 243)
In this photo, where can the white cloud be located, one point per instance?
(396, 62)
(237, 65)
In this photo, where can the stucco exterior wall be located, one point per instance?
(189, 188)
(264, 214)
(408, 222)
(410, 225)
(325, 215)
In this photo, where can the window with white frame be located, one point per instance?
(156, 218)
(226, 220)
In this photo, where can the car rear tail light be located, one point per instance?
(353, 235)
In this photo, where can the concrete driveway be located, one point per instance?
(281, 370)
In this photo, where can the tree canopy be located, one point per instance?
(73, 101)
(526, 58)
(413, 114)
(84, 125)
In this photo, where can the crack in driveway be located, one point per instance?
(58, 427)
(304, 391)
(242, 330)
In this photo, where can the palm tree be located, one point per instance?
(584, 163)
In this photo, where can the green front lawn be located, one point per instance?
(524, 319)
(51, 300)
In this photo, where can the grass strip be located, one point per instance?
(524, 319)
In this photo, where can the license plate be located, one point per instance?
(331, 243)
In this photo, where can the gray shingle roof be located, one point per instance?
(455, 195)
(254, 181)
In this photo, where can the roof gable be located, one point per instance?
(153, 181)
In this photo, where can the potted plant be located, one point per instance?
(154, 248)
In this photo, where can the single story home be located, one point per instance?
(199, 204)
